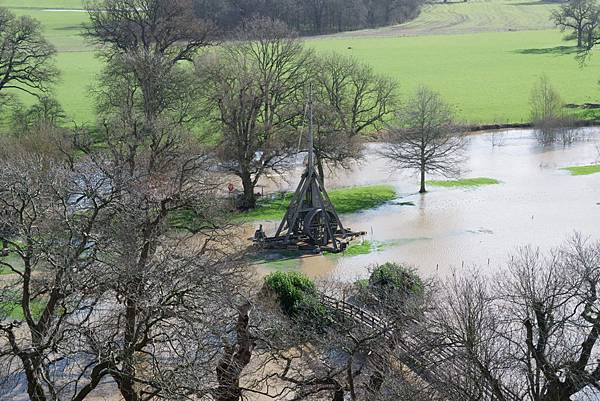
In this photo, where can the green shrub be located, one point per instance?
(394, 278)
(297, 294)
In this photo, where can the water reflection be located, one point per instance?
(447, 228)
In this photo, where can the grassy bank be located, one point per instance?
(483, 56)
(583, 170)
(345, 200)
(465, 182)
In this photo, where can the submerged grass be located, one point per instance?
(583, 170)
(290, 260)
(278, 260)
(363, 248)
(345, 200)
(465, 182)
(283, 264)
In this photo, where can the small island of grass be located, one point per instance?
(345, 200)
(583, 170)
(465, 182)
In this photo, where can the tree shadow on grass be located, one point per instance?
(558, 50)
(69, 28)
(535, 3)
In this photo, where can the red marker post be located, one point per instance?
(231, 189)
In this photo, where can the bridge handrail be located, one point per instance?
(373, 321)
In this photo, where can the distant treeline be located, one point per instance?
(311, 17)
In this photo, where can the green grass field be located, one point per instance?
(472, 16)
(483, 56)
(465, 182)
(273, 208)
(43, 4)
(583, 170)
(487, 77)
(345, 200)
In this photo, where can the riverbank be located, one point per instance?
(479, 128)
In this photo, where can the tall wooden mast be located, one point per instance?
(311, 221)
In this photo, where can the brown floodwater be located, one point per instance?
(449, 229)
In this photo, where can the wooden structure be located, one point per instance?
(311, 222)
(436, 363)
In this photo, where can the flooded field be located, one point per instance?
(536, 203)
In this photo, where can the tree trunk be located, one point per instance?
(350, 376)
(422, 190)
(236, 357)
(125, 380)
(338, 395)
(4, 251)
(248, 200)
(558, 391)
(34, 386)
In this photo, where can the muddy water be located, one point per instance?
(458, 228)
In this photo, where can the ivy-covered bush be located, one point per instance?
(391, 288)
(297, 294)
(394, 278)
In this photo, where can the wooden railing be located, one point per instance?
(411, 350)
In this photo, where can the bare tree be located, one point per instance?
(579, 16)
(497, 138)
(44, 116)
(166, 28)
(49, 265)
(254, 91)
(124, 299)
(467, 318)
(533, 335)
(349, 101)
(107, 290)
(550, 122)
(26, 57)
(426, 138)
(148, 38)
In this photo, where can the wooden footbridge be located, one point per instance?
(437, 364)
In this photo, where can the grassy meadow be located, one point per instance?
(345, 200)
(486, 76)
(483, 56)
